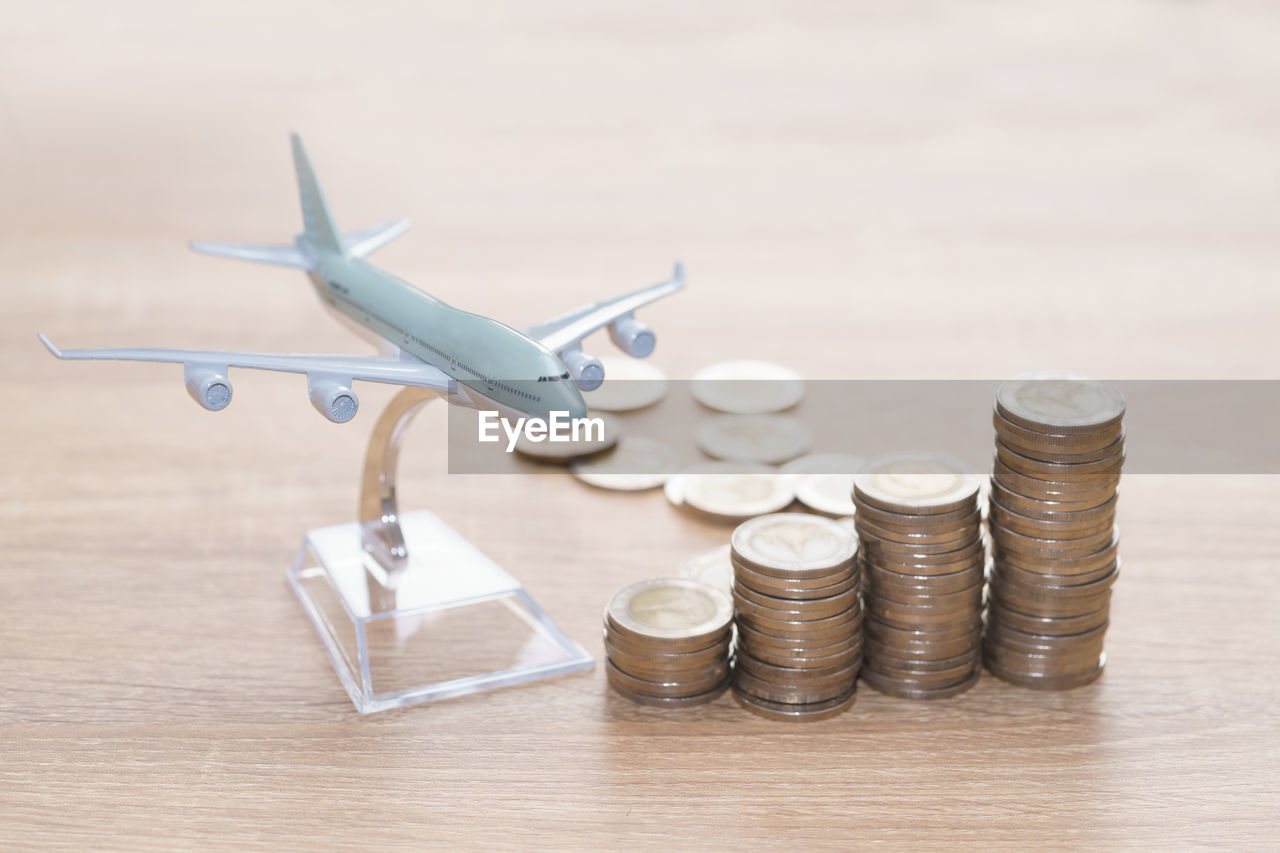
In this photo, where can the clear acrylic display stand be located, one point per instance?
(407, 609)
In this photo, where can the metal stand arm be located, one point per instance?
(379, 516)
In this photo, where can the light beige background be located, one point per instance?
(920, 189)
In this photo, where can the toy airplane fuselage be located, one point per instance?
(478, 352)
(476, 360)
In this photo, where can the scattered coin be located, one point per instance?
(667, 641)
(629, 384)
(634, 464)
(1059, 453)
(824, 481)
(747, 387)
(923, 562)
(754, 438)
(729, 491)
(713, 568)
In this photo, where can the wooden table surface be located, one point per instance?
(926, 189)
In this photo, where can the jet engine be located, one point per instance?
(586, 370)
(336, 401)
(209, 388)
(632, 337)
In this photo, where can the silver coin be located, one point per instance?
(747, 387)
(794, 542)
(635, 464)
(754, 438)
(629, 384)
(824, 481)
(730, 490)
(670, 608)
(713, 567)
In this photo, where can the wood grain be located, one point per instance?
(925, 189)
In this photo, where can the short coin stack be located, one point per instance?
(924, 566)
(667, 641)
(796, 596)
(1059, 451)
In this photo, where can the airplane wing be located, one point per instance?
(566, 331)
(405, 370)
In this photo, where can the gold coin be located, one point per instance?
(1068, 403)
(812, 644)
(697, 684)
(747, 600)
(1046, 681)
(818, 586)
(906, 689)
(794, 544)
(916, 483)
(747, 682)
(1000, 613)
(796, 713)
(673, 702)
(671, 609)
(645, 663)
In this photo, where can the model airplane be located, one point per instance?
(425, 343)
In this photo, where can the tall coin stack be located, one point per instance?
(1059, 451)
(796, 599)
(667, 641)
(924, 564)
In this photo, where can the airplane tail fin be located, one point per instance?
(317, 220)
(318, 227)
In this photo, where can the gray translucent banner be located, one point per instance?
(1171, 426)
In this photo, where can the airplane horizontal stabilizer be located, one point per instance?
(284, 256)
(369, 240)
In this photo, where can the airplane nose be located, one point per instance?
(572, 400)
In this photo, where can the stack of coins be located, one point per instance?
(667, 641)
(796, 599)
(924, 566)
(1059, 451)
